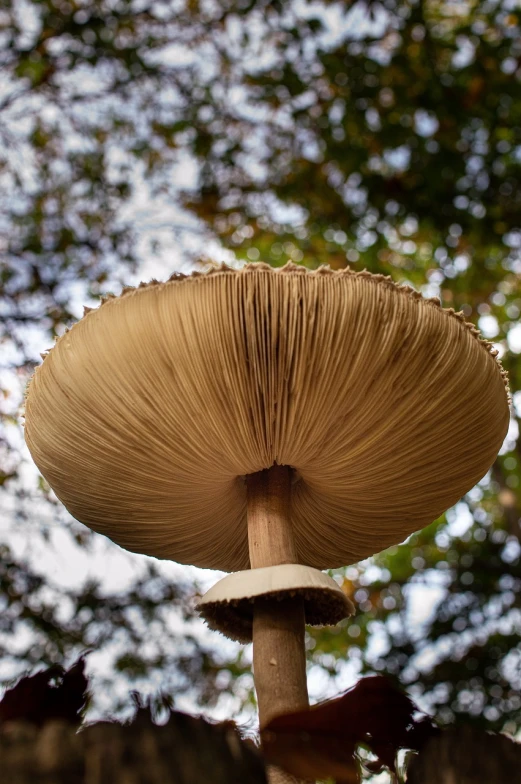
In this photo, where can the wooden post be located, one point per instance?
(185, 750)
(279, 658)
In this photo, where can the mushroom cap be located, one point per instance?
(146, 416)
(228, 606)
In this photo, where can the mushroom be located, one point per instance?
(264, 419)
(228, 606)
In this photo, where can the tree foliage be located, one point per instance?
(145, 633)
(384, 136)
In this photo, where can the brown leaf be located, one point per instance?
(35, 700)
(321, 742)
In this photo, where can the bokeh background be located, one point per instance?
(140, 137)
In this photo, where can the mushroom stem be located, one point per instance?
(279, 659)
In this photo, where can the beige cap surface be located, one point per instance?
(145, 416)
(228, 605)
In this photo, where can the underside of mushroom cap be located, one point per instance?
(146, 416)
(228, 606)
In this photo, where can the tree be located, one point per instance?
(386, 137)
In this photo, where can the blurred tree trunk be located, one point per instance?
(184, 751)
(191, 751)
(467, 756)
